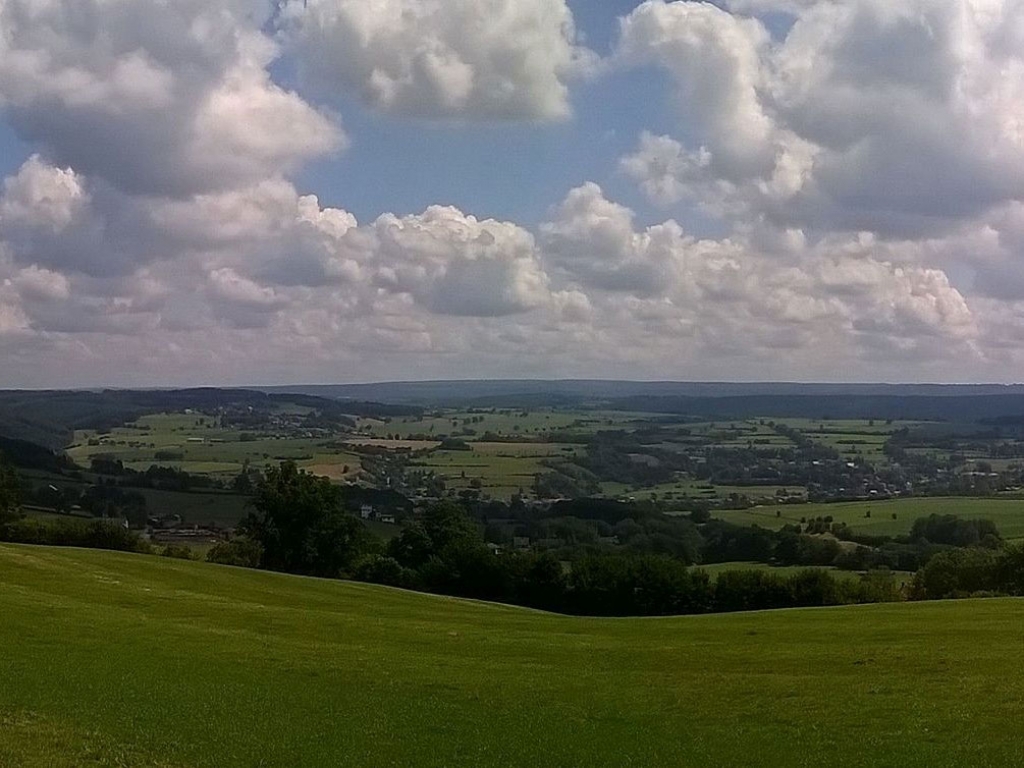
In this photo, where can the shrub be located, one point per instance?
(179, 552)
(381, 569)
(96, 534)
(242, 552)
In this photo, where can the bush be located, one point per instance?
(242, 552)
(179, 552)
(958, 572)
(95, 534)
(955, 531)
(381, 569)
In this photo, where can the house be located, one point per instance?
(366, 511)
(389, 519)
(521, 542)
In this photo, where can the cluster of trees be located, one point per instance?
(971, 571)
(94, 534)
(640, 458)
(300, 525)
(565, 480)
(956, 531)
(303, 524)
(161, 478)
(10, 492)
(15, 527)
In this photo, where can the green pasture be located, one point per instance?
(880, 426)
(205, 448)
(697, 489)
(199, 508)
(713, 569)
(195, 507)
(501, 468)
(113, 659)
(1006, 513)
(502, 421)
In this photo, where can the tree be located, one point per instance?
(412, 547)
(10, 492)
(300, 522)
(447, 524)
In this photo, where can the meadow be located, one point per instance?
(1006, 513)
(506, 421)
(500, 469)
(201, 446)
(114, 659)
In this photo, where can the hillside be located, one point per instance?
(136, 660)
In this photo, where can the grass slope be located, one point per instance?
(112, 659)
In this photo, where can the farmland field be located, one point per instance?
(502, 469)
(524, 422)
(1006, 513)
(135, 660)
(196, 444)
(713, 569)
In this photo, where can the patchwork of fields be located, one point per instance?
(197, 445)
(507, 448)
(890, 517)
(113, 659)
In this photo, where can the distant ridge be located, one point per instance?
(577, 390)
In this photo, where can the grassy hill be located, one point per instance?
(112, 659)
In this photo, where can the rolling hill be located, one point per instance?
(114, 659)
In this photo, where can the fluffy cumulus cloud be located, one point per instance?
(857, 176)
(168, 98)
(900, 118)
(453, 264)
(467, 59)
(733, 293)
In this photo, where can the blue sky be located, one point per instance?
(400, 165)
(752, 189)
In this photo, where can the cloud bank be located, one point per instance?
(863, 170)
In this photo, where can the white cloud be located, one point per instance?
(900, 118)
(863, 167)
(454, 264)
(169, 98)
(716, 61)
(730, 294)
(41, 284)
(40, 196)
(593, 239)
(466, 59)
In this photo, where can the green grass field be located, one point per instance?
(713, 569)
(532, 422)
(501, 468)
(204, 448)
(1006, 513)
(113, 659)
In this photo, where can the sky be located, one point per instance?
(234, 192)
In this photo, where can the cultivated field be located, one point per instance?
(112, 659)
(500, 469)
(507, 421)
(1006, 513)
(198, 445)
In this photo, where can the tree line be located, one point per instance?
(303, 524)
(299, 524)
